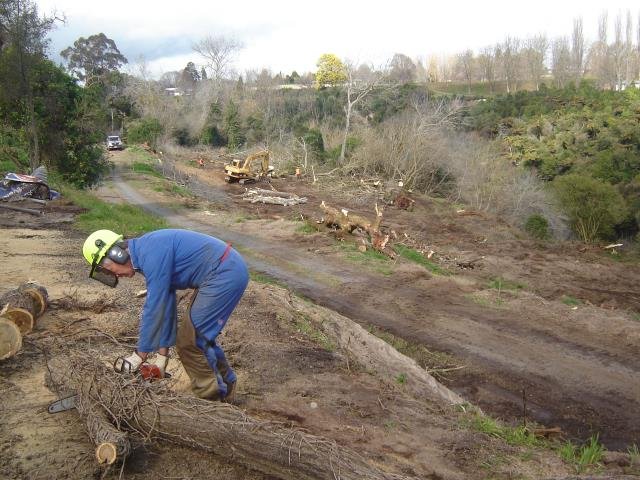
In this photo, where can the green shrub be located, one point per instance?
(315, 144)
(537, 226)
(570, 301)
(146, 130)
(352, 144)
(183, 137)
(587, 456)
(594, 208)
(211, 135)
(233, 126)
(7, 166)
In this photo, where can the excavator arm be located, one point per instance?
(242, 171)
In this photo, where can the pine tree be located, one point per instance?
(233, 126)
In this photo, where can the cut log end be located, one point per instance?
(10, 338)
(21, 317)
(39, 295)
(106, 453)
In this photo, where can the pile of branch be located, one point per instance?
(256, 195)
(19, 309)
(115, 406)
(348, 222)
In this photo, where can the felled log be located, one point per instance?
(377, 355)
(158, 413)
(343, 219)
(38, 293)
(111, 444)
(274, 197)
(24, 304)
(10, 338)
(21, 209)
(348, 222)
(20, 308)
(286, 202)
(269, 193)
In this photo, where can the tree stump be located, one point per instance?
(10, 338)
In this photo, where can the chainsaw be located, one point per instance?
(147, 373)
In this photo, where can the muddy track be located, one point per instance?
(580, 385)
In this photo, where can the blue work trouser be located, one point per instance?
(212, 306)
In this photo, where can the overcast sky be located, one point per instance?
(290, 35)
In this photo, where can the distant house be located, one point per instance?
(291, 86)
(173, 92)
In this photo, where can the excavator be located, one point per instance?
(252, 168)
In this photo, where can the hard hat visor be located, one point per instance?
(103, 275)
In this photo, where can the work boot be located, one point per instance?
(231, 388)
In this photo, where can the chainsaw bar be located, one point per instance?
(63, 404)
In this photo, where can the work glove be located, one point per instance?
(129, 364)
(154, 369)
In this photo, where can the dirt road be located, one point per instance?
(577, 368)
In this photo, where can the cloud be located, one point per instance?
(284, 36)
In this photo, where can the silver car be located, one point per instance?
(114, 143)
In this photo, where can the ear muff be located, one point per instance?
(118, 254)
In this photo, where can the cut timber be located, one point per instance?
(270, 193)
(343, 219)
(10, 338)
(39, 295)
(111, 444)
(348, 222)
(274, 197)
(20, 209)
(156, 412)
(20, 308)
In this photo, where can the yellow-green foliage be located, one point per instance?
(331, 71)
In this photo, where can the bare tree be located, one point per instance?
(219, 52)
(561, 61)
(169, 79)
(466, 65)
(357, 89)
(617, 50)
(599, 54)
(628, 47)
(535, 54)
(636, 72)
(416, 141)
(422, 76)
(402, 69)
(577, 50)
(487, 64)
(433, 69)
(510, 61)
(445, 65)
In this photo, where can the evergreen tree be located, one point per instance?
(233, 126)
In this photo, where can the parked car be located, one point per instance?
(114, 143)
